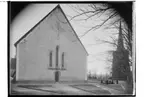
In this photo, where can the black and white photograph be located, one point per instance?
(72, 48)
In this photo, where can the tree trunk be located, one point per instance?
(116, 81)
(129, 85)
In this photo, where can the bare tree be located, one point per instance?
(96, 10)
(110, 17)
(110, 20)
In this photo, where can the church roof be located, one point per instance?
(58, 6)
(120, 38)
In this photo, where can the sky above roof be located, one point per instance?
(97, 52)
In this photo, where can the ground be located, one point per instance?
(66, 88)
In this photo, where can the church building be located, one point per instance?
(51, 51)
(120, 67)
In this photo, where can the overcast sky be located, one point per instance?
(97, 53)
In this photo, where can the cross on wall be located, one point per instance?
(57, 26)
(56, 68)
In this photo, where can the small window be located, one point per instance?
(62, 60)
(50, 59)
(57, 54)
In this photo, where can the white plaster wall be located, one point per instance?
(33, 54)
(75, 60)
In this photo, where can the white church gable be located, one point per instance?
(37, 50)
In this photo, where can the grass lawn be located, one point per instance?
(91, 88)
(46, 88)
(34, 86)
(112, 86)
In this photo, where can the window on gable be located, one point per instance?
(57, 52)
(50, 59)
(62, 60)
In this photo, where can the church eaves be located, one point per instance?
(58, 6)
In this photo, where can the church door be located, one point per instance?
(57, 76)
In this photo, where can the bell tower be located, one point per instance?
(120, 64)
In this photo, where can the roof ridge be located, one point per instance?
(35, 25)
(58, 6)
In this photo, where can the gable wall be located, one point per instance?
(33, 51)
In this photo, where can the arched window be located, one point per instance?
(57, 55)
(50, 59)
(62, 60)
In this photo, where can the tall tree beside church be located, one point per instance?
(121, 68)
